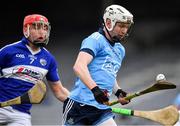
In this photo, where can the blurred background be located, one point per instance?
(152, 48)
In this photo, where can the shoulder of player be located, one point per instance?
(95, 36)
(10, 46)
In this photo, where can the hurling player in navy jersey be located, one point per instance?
(30, 57)
(96, 67)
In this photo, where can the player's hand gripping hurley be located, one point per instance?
(160, 84)
(167, 116)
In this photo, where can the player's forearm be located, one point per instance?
(116, 87)
(60, 92)
(83, 73)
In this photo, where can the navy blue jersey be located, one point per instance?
(20, 67)
(103, 68)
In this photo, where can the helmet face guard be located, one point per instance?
(36, 21)
(117, 13)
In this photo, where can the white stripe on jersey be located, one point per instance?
(10, 45)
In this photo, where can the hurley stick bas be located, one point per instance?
(159, 85)
(34, 96)
(167, 116)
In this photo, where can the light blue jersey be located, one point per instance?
(103, 68)
(177, 101)
(20, 67)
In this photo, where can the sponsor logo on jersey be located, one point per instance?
(111, 66)
(21, 70)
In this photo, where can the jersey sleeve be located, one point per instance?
(91, 44)
(53, 74)
(3, 57)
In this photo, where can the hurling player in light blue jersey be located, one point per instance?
(23, 62)
(177, 104)
(100, 58)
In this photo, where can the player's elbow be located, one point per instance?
(77, 69)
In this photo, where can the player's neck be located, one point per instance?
(33, 47)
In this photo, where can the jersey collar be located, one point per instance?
(101, 31)
(25, 41)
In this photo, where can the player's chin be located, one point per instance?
(120, 37)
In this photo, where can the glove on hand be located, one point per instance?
(120, 93)
(100, 96)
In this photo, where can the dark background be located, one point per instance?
(152, 48)
(71, 17)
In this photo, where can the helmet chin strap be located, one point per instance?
(113, 38)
